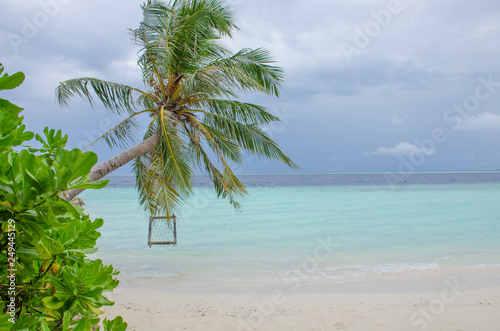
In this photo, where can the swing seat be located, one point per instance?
(162, 230)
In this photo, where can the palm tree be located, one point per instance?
(191, 85)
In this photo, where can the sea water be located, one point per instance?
(319, 228)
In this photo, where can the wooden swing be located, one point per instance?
(162, 230)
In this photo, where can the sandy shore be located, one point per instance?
(446, 303)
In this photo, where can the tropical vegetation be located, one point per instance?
(47, 281)
(190, 100)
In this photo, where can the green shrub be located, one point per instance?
(47, 282)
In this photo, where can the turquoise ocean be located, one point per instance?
(319, 228)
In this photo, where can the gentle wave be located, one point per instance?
(276, 277)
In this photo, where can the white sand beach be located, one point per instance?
(444, 303)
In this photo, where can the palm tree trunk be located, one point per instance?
(102, 169)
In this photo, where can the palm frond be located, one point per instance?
(177, 37)
(147, 102)
(174, 152)
(250, 137)
(164, 175)
(207, 84)
(226, 184)
(152, 8)
(157, 193)
(247, 70)
(242, 112)
(150, 58)
(222, 145)
(209, 15)
(118, 98)
(253, 69)
(121, 135)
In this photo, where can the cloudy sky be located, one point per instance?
(370, 85)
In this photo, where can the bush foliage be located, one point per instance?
(47, 281)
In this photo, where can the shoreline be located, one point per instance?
(488, 276)
(417, 303)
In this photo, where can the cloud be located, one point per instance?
(402, 149)
(424, 61)
(485, 121)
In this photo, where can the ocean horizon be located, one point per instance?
(319, 228)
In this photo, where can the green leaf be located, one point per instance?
(32, 232)
(28, 254)
(52, 246)
(11, 128)
(66, 320)
(5, 324)
(87, 251)
(45, 326)
(53, 302)
(64, 176)
(115, 325)
(62, 286)
(81, 163)
(43, 251)
(10, 82)
(83, 325)
(98, 184)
